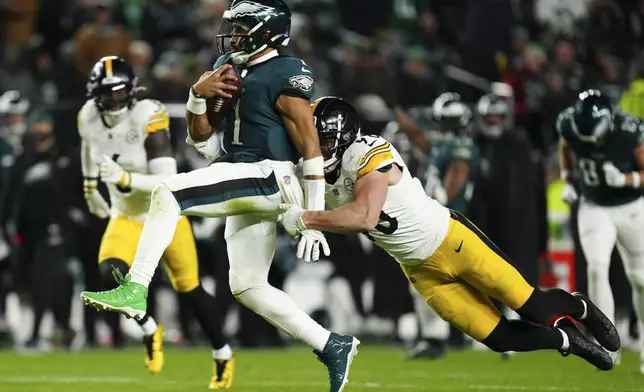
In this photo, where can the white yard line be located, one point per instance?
(68, 380)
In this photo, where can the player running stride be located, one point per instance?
(448, 260)
(125, 141)
(270, 128)
(609, 154)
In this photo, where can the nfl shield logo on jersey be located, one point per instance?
(287, 180)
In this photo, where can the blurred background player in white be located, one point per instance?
(269, 129)
(126, 142)
(607, 149)
(449, 261)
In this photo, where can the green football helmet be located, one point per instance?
(250, 27)
(592, 117)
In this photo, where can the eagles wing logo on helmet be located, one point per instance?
(250, 8)
(302, 82)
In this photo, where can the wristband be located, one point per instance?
(635, 179)
(313, 166)
(564, 175)
(196, 104)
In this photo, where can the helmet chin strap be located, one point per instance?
(113, 117)
(242, 57)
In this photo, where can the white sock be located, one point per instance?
(223, 354)
(431, 325)
(599, 291)
(280, 310)
(566, 342)
(158, 231)
(149, 327)
(585, 310)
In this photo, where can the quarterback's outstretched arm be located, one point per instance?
(409, 127)
(370, 193)
(298, 120)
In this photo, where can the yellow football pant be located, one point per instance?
(458, 280)
(121, 239)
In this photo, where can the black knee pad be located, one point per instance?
(107, 267)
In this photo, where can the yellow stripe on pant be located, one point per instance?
(458, 280)
(121, 239)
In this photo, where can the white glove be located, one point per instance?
(308, 241)
(308, 246)
(614, 177)
(569, 194)
(95, 202)
(112, 173)
(291, 218)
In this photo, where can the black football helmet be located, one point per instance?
(113, 85)
(252, 26)
(451, 113)
(338, 126)
(492, 112)
(592, 118)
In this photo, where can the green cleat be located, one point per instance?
(129, 299)
(337, 357)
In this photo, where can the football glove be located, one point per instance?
(614, 177)
(112, 173)
(569, 194)
(308, 245)
(291, 218)
(95, 202)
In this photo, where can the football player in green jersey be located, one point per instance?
(269, 129)
(608, 152)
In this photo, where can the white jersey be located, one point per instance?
(412, 225)
(125, 144)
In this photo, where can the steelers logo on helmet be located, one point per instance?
(250, 27)
(338, 126)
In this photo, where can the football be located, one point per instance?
(218, 108)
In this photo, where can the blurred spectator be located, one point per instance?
(100, 38)
(566, 64)
(164, 25)
(39, 202)
(170, 83)
(21, 19)
(14, 72)
(607, 29)
(529, 92)
(14, 108)
(632, 100)
(140, 53)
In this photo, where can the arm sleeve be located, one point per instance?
(159, 169)
(89, 167)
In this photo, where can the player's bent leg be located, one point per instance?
(251, 246)
(483, 265)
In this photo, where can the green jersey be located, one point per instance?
(254, 130)
(628, 133)
(446, 150)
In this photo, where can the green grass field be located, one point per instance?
(377, 368)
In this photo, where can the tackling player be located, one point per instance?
(449, 261)
(609, 155)
(125, 142)
(270, 128)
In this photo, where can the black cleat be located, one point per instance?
(599, 325)
(428, 349)
(582, 347)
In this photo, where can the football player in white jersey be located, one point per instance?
(125, 143)
(451, 263)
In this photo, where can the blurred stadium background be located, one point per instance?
(390, 58)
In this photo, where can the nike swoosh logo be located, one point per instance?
(457, 250)
(306, 70)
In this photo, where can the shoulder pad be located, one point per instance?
(366, 154)
(86, 115)
(152, 115)
(294, 77)
(563, 121)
